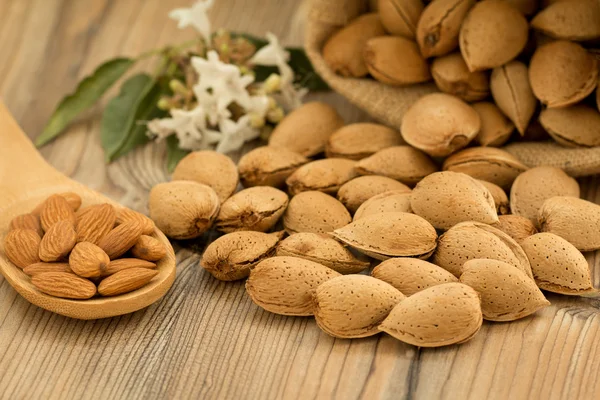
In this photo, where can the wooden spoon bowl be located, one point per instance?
(26, 180)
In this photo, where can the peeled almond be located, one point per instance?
(447, 198)
(517, 227)
(395, 61)
(495, 127)
(382, 236)
(440, 124)
(410, 275)
(392, 201)
(512, 93)
(492, 34)
(355, 192)
(400, 17)
(557, 265)
(360, 140)
(315, 212)
(507, 294)
(562, 73)
(326, 175)
(499, 196)
(268, 166)
(403, 163)
(353, 306)
(574, 126)
(437, 316)
(533, 187)
(452, 76)
(571, 20)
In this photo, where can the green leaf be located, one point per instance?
(119, 131)
(174, 153)
(88, 92)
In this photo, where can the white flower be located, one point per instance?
(214, 110)
(195, 16)
(235, 134)
(211, 69)
(272, 54)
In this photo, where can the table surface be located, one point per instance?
(205, 338)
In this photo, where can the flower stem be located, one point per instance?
(162, 50)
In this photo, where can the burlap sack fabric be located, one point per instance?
(388, 104)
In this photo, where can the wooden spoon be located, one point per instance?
(26, 179)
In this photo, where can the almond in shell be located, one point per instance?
(88, 260)
(21, 246)
(574, 126)
(315, 212)
(557, 265)
(392, 201)
(402, 163)
(268, 166)
(437, 316)
(400, 17)
(284, 285)
(322, 249)
(507, 294)
(355, 192)
(495, 127)
(382, 236)
(125, 281)
(499, 196)
(353, 306)
(120, 239)
(95, 223)
(231, 256)
(58, 241)
(395, 61)
(447, 198)
(517, 227)
(41, 267)
(410, 275)
(526, 7)
(64, 284)
(56, 208)
(27, 221)
(326, 176)
(360, 140)
(570, 20)
(149, 248)
(452, 76)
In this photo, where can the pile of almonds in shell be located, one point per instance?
(378, 236)
(500, 65)
(76, 252)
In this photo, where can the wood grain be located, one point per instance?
(206, 339)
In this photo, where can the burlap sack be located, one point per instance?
(388, 104)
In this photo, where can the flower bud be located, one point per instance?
(177, 86)
(164, 104)
(256, 120)
(275, 115)
(272, 83)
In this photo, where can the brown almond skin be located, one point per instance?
(127, 214)
(512, 93)
(56, 208)
(400, 17)
(126, 263)
(361, 140)
(41, 267)
(343, 50)
(355, 192)
(307, 129)
(268, 166)
(507, 294)
(402, 163)
(410, 275)
(495, 127)
(499, 196)
(392, 201)
(447, 314)
(88, 260)
(149, 249)
(574, 126)
(21, 246)
(395, 61)
(452, 76)
(533, 187)
(492, 34)
(562, 73)
(209, 168)
(284, 285)
(73, 199)
(315, 212)
(439, 26)
(64, 284)
(572, 20)
(26, 221)
(231, 256)
(326, 175)
(58, 241)
(125, 281)
(557, 265)
(95, 223)
(353, 306)
(440, 124)
(120, 239)
(515, 226)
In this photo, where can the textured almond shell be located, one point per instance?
(353, 306)
(570, 20)
(315, 212)
(515, 226)
(557, 265)
(403, 163)
(526, 7)
(360, 140)
(451, 75)
(512, 93)
(438, 316)
(499, 196)
(323, 175)
(410, 275)
(440, 124)
(382, 236)
(470, 240)
(573, 219)
(392, 201)
(306, 129)
(492, 34)
(533, 187)
(495, 127)
(486, 163)
(355, 192)
(562, 73)
(439, 26)
(573, 126)
(343, 50)
(231, 256)
(322, 249)
(58, 241)
(95, 223)
(395, 61)
(447, 198)
(507, 294)
(209, 168)
(254, 209)
(268, 166)
(21, 246)
(183, 209)
(284, 285)
(400, 17)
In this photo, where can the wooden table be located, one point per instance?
(206, 339)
